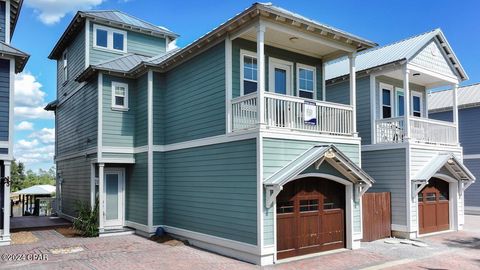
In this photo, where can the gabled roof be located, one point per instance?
(403, 50)
(110, 17)
(21, 58)
(450, 162)
(468, 96)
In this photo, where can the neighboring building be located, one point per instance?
(416, 158)
(440, 107)
(212, 142)
(12, 61)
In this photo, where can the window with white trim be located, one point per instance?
(416, 104)
(306, 81)
(249, 74)
(65, 66)
(119, 95)
(109, 38)
(387, 97)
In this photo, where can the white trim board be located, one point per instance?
(472, 156)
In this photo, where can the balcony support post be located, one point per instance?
(407, 113)
(455, 110)
(261, 72)
(353, 92)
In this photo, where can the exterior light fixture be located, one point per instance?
(416, 74)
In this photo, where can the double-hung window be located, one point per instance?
(249, 73)
(109, 38)
(387, 97)
(306, 81)
(416, 104)
(65, 66)
(119, 96)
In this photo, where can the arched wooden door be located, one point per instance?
(433, 207)
(310, 217)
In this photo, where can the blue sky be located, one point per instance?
(43, 21)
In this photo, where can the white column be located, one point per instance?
(6, 203)
(455, 109)
(101, 196)
(407, 109)
(92, 185)
(324, 85)
(353, 91)
(150, 151)
(261, 72)
(228, 82)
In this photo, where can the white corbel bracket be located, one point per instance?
(271, 194)
(463, 185)
(360, 189)
(418, 185)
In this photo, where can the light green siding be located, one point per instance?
(159, 188)
(213, 190)
(136, 43)
(296, 58)
(76, 64)
(388, 168)
(76, 121)
(279, 152)
(158, 108)
(141, 111)
(136, 191)
(75, 175)
(340, 93)
(118, 126)
(195, 97)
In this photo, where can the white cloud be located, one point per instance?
(27, 145)
(45, 135)
(24, 125)
(35, 156)
(52, 11)
(29, 98)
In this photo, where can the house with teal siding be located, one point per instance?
(410, 154)
(228, 142)
(12, 61)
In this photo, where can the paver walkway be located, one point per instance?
(455, 250)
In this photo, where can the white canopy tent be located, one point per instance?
(36, 190)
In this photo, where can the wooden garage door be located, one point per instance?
(433, 207)
(310, 217)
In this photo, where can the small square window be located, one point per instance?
(102, 38)
(118, 41)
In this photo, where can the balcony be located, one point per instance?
(422, 130)
(289, 113)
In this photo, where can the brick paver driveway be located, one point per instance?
(456, 250)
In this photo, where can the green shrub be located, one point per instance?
(87, 219)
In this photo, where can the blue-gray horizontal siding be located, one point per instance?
(340, 93)
(158, 108)
(76, 183)
(388, 168)
(4, 99)
(77, 121)
(472, 194)
(159, 188)
(141, 111)
(136, 199)
(2, 21)
(118, 126)
(136, 43)
(295, 58)
(76, 65)
(277, 153)
(469, 131)
(213, 190)
(195, 97)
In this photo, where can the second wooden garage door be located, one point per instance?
(310, 217)
(433, 207)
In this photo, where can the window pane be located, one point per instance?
(302, 84)
(420, 197)
(309, 85)
(308, 205)
(118, 41)
(249, 87)
(119, 91)
(306, 94)
(386, 97)
(249, 68)
(416, 103)
(284, 207)
(417, 114)
(431, 197)
(102, 38)
(387, 112)
(401, 105)
(120, 101)
(280, 81)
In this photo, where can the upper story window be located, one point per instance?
(119, 96)
(417, 104)
(109, 38)
(386, 97)
(306, 81)
(248, 65)
(65, 66)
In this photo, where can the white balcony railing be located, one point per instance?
(422, 130)
(288, 112)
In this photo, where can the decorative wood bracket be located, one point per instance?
(417, 187)
(463, 185)
(5, 181)
(360, 189)
(271, 194)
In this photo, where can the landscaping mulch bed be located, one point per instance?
(168, 240)
(69, 232)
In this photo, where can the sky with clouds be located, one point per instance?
(42, 22)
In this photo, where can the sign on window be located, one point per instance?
(310, 113)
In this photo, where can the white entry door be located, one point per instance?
(280, 77)
(114, 197)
